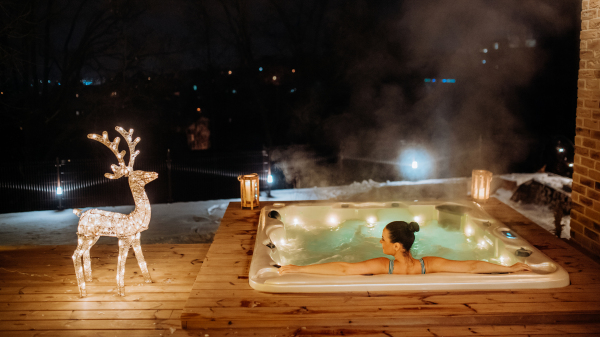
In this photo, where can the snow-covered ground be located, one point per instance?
(196, 222)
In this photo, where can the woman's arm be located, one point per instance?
(441, 265)
(373, 266)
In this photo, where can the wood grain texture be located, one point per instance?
(39, 295)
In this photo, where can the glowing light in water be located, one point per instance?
(333, 221)
(482, 244)
(418, 219)
(59, 190)
(414, 164)
(483, 61)
(270, 179)
(570, 164)
(371, 220)
(260, 68)
(468, 231)
(560, 149)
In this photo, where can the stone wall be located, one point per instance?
(585, 208)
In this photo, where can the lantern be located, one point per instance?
(249, 190)
(480, 185)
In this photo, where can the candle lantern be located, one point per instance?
(249, 190)
(480, 185)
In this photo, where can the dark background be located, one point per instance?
(358, 96)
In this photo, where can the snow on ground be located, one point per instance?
(196, 222)
(542, 215)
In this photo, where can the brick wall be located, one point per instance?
(585, 211)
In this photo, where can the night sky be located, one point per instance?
(362, 85)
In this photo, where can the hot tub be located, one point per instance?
(306, 233)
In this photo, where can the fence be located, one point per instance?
(33, 186)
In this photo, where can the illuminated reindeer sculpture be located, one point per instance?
(95, 223)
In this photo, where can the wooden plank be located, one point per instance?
(28, 315)
(416, 331)
(460, 320)
(99, 333)
(252, 301)
(133, 324)
(91, 297)
(108, 305)
(93, 288)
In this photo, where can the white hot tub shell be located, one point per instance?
(264, 276)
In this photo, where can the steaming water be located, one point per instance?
(356, 240)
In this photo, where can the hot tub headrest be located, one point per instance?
(453, 209)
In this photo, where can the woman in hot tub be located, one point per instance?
(397, 239)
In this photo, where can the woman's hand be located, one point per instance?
(519, 267)
(290, 268)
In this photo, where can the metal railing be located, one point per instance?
(33, 186)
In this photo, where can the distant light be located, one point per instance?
(570, 164)
(270, 179)
(293, 70)
(260, 69)
(229, 72)
(76, 95)
(195, 87)
(77, 113)
(433, 80)
(483, 61)
(530, 43)
(59, 190)
(1, 92)
(451, 80)
(274, 78)
(417, 219)
(48, 81)
(485, 50)
(427, 80)
(58, 83)
(293, 90)
(198, 109)
(415, 163)
(444, 80)
(495, 45)
(560, 149)
(114, 93)
(234, 91)
(149, 78)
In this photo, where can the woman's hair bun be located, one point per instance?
(413, 227)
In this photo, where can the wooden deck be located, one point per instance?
(222, 302)
(39, 294)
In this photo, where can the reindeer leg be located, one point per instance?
(87, 264)
(124, 245)
(82, 242)
(137, 248)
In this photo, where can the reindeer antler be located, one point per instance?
(132, 144)
(122, 170)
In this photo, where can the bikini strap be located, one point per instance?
(391, 268)
(422, 266)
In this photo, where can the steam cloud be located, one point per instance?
(438, 39)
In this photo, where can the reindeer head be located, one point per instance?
(122, 170)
